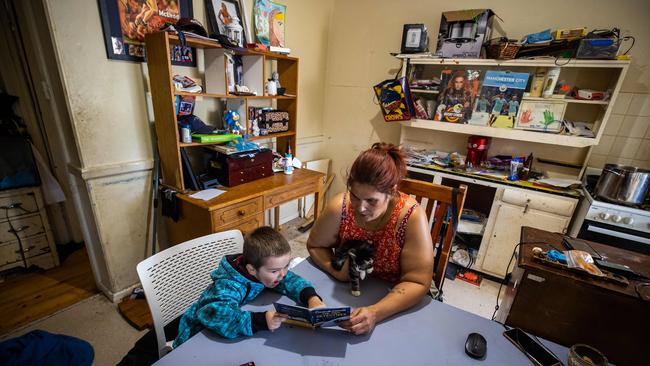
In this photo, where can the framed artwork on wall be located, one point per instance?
(228, 18)
(126, 22)
(541, 115)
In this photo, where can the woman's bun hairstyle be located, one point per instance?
(382, 166)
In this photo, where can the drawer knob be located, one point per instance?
(241, 212)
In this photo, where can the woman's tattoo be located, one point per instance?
(398, 290)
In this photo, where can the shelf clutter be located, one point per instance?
(251, 93)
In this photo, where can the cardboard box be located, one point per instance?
(463, 32)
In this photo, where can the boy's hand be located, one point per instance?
(315, 302)
(274, 320)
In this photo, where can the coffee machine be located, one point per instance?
(477, 147)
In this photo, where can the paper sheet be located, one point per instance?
(559, 182)
(207, 194)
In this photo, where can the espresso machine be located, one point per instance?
(477, 147)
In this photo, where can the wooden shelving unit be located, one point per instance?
(257, 68)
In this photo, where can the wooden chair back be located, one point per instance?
(437, 200)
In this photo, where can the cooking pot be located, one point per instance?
(626, 185)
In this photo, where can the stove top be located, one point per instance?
(635, 218)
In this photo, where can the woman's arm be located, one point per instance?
(324, 237)
(416, 262)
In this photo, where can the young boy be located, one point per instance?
(239, 279)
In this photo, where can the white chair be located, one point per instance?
(175, 278)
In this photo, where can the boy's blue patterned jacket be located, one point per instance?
(218, 308)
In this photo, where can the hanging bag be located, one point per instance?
(394, 97)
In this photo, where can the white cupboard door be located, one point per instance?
(507, 231)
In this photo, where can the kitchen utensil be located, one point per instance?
(625, 185)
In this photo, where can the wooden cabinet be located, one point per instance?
(504, 236)
(508, 209)
(25, 235)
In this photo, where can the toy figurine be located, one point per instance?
(256, 128)
(231, 121)
(276, 77)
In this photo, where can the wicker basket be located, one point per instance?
(503, 50)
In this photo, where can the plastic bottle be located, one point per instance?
(515, 164)
(288, 164)
(186, 136)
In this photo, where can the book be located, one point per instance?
(458, 89)
(500, 95)
(283, 50)
(213, 137)
(395, 100)
(318, 317)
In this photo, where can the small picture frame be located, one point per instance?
(414, 38)
(541, 115)
(228, 18)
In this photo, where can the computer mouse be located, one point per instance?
(476, 346)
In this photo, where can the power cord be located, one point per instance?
(514, 251)
(14, 231)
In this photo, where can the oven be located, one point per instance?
(616, 236)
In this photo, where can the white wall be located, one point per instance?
(364, 32)
(107, 104)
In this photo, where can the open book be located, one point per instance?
(319, 317)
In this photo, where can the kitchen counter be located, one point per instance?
(573, 193)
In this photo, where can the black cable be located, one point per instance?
(496, 307)
(514, 250)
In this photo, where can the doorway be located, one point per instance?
(29, 71)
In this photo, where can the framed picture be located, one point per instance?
(227, 18)
(277, 14)
(414, 38)
(126, 22)
(541, 115)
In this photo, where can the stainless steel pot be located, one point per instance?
(626, 185)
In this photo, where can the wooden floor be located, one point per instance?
(32, 296)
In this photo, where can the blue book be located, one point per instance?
(318, 317)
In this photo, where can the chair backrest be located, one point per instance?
(437, 200)
(175, 278)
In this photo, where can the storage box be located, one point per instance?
(463, 32)
(235, 169)
(598, 48)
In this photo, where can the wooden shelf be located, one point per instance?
(540, 62)
(205, 43)
(504, 133)
(569, 100)
(272, 135)
(231, 96)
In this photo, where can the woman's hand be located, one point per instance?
(274, 320)
(315, 302)
(362, 320)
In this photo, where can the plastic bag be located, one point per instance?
(583, 261)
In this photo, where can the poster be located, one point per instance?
(126, 22)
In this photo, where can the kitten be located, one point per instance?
(362, 257)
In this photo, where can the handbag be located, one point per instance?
(395, 100)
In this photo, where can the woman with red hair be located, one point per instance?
(372, 209)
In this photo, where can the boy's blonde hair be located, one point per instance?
(262, 243)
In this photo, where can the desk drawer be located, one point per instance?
(246, 225)
(546, 203)
(10, 252)
(287, 194)
(27, 203)
(236, 212)
(44, 261)
(25, 226)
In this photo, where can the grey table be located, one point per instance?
(431, 333)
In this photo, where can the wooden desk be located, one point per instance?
(568, 308)
(242, 207)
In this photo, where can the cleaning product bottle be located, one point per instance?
(288, 162)
(186, 134)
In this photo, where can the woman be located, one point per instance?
(373, 209)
